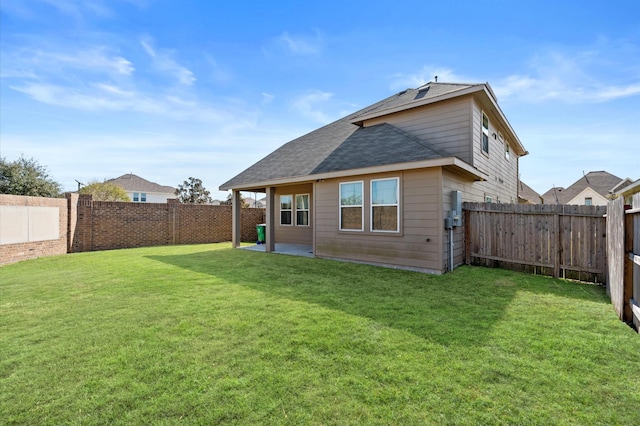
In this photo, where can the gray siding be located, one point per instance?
(292, 234)
(420, 219)
(502, 184)
(444, 125)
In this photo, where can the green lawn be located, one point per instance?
(206, 334)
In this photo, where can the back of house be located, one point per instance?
(384, 185)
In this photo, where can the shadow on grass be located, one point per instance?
(458, 308)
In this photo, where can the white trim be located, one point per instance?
(308, 209)
(361, 182)
(280, 210)
(396, 205)
(485, 132)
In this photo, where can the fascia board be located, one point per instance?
(453, 162)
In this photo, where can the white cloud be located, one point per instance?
(267, 98)
(29, 62)
(108, 97)
(307, 105)
(163, 61)
(300, 44)
(576, 77)
(428, 73)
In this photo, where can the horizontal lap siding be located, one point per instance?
(444, 125)
(420, 220)
(502, 182)
(292, 234)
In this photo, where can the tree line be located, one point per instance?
(25, 176)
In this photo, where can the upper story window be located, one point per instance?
(485, 133)
(507, 150)
(302, 209)
(588, 201)
(286, 210)
(351, 199)
(384, 205)
(139, 197)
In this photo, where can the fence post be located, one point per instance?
(558, 250)
(467, 235)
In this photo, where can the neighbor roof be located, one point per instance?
(342, 144)
(131, 182)
(600, 181)
(527, 193)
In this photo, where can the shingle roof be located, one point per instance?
(601, 182)
(131, 182)
(341, 144)
(525, 192)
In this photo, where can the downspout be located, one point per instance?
(451, 249)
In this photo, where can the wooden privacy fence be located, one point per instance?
(623, 284)
(549, 239)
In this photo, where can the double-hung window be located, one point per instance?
(384, 205)
(302, 209)
(351, 199)
(286, 210)
(485, 133)
(139, 197)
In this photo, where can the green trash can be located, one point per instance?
(261, 230)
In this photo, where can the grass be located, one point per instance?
(206, 334)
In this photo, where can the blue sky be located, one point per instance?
(167, 90)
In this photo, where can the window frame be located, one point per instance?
(588, 201)
(136, 197)
(143, 197)
(341, 206)
(286, 210)
(485, 134)
(396, 205)
(308, 209)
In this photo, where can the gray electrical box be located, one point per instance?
(456, 207)
(448, 223)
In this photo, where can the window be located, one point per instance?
(485, 133)
(588, 201)
(351, 217)
(488, 199)
(136, 197)
(140, 197)
(286, 205)
(302, 210)
(507, 150)
(384, 205)
(143, 197)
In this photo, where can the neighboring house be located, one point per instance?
(526, 195)
(376, 186)
(593, 189)
(626, 191)
(142, 191)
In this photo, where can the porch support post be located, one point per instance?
(270, 241)
(236, 219)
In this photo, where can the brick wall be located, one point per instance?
(11, 253)
(102, 225)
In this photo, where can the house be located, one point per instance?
(627, 191)
(383, 185)
(142, 191)
(526, 195)
(592, 189)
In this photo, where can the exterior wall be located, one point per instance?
(502, 184)
(471, 192)
(154, 197)
(444, 125)
(597, 199)
(103, 225)
(15, 252)
(417, 246)
(294, 234)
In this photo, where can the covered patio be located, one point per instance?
(281, 248)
